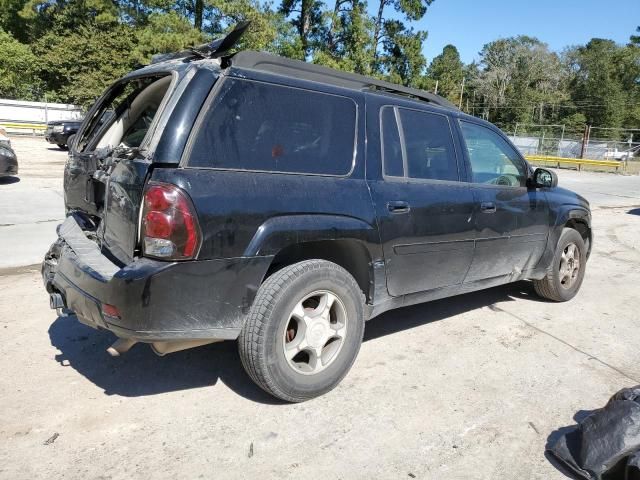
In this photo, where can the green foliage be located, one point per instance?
(18, 70)
(77, 66)
(448, 70)
(402, 58)
(165, 32)
(596, 82)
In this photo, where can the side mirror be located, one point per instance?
(543, 178)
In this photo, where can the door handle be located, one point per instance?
(488, 207)
(398, 207)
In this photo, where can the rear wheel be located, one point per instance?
(564, 276)
(304, 330)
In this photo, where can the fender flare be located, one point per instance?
(566, 213)
(280, 232)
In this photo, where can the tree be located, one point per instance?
(635, 39)
(411, 9)
(348, 45)
(18, 70)
(596, 85)
(268, 31)
(165, 32)
(402, 60)
(78, 66)
(307, 18)
(448, 70)
(519, 79)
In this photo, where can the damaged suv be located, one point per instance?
(254, 198)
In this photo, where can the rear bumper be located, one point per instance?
(157, 301)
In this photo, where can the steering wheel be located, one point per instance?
(505, 180)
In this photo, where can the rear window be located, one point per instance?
(259, 126)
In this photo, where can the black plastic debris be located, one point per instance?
(605, 445)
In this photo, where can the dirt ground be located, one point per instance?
(468, 387)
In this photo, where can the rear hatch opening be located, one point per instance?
(111, 161)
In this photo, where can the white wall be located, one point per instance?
(19, 111)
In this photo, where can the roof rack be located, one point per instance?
(285, 66)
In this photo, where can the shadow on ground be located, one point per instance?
(9, 180)
(140, 372)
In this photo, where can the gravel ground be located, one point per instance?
(467, 387)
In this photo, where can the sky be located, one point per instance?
(470, 24)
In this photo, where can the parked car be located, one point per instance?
(8, 161)
(58, 132)
(282, 204)
(621, 155)
(4, 138)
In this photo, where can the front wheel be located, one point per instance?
(564, 276)
(303, 331)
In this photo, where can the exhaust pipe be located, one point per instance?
(162, 348)
(122, 345)
(56, 302)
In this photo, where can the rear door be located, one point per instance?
(511, 220)
(424, 210)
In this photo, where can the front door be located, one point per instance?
(424, 211)
(511, 221)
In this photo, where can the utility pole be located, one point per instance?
(585, 140)
(436, 91)
(461, 93)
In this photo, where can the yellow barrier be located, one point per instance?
(28, 126)
(575, 161)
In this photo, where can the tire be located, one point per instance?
(275, 326)
(61, 146)
(559, 285)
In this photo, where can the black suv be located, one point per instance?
(60, 131)
(283, 204)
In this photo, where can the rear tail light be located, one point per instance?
(169, 225)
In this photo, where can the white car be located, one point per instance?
(619, 155)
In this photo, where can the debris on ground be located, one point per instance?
(606, 443)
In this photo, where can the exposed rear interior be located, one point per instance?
(113, 178)
(131, 126)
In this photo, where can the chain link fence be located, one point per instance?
(594, 143)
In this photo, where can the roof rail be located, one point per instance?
(285, 66)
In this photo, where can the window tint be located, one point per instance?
(392, 151)
(428, 145)
(258, 126)
(493, 160)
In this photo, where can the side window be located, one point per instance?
(428, 153)
(392, 150)
(492, 159)
(258, 126)
(428, 145)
